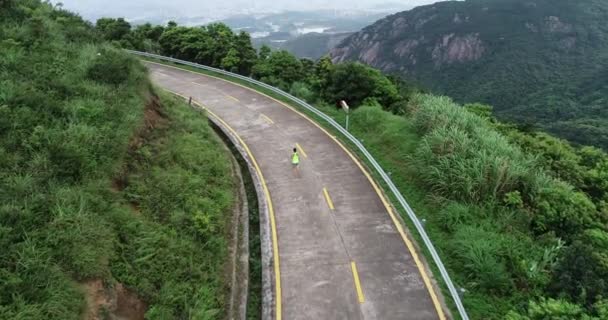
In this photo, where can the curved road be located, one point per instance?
(341, 254)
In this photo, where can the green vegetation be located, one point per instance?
(217, 46)
(90, 192)
(541, 63)
(100, 179)
(179, 180)
(502, 205)
(508, 228)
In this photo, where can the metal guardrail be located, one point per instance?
(419, 227)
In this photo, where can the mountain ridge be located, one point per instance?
(537, 62)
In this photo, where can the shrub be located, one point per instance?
(480, 255)
(302, 91)
(582, 272)
(550, 309)
(110, 67)
(558, 208)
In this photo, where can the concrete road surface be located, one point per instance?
(341, 254)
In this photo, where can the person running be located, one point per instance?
(295, 162)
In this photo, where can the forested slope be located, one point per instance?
(540, 63)
(114, 202)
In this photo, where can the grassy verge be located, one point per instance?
(390, 155)
(172, 246)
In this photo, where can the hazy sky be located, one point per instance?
(189, 8)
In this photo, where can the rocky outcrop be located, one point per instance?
(452, 48)
(555, 25)
(452, 34)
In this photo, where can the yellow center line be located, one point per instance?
(301, 150)
(208, 87)
(215, 89)
(328, 199)
(267, 118)
(360, 295)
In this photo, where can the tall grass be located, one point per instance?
(463, 157)
(181, 184)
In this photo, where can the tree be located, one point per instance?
(264, 53)
(231, 61)
(113, 29)
(187, 43)
(355, 82)
(281, 68)
(222, 40)
(246, 53)
(582, 273)
(322, 72)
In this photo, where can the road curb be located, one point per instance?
(268, 299)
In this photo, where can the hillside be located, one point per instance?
(115, 199)
(310, 46)
(541, 63)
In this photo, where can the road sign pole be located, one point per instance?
(346, 109)
(347, 121)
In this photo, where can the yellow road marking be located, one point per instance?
(273, 224)
(301, 150)
(408, 243)
(267, 119)
(360, 295)
(207, 87)
(212, 88)
(328, 199)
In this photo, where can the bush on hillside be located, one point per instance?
(560, 209)
(582, 272)
(110, 67)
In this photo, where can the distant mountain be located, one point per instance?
(306, 34)
(538, 62)
(311, 45)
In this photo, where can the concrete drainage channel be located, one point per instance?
(251, 294)
(239, 247)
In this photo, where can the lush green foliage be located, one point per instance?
(510, 230)
(502, 205)
(71, 116)
(510, 210)
(542, 63)
(217, 46)
(179, 180)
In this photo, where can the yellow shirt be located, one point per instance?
(295, 158)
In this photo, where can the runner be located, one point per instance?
(295, 162)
